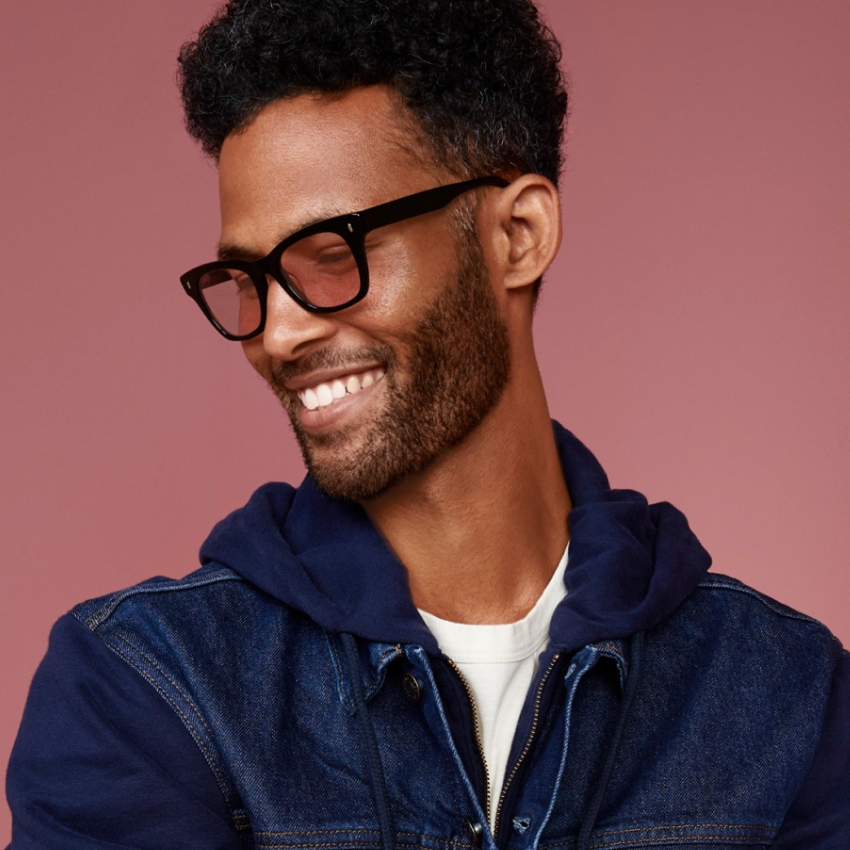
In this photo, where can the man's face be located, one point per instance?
(375, 392)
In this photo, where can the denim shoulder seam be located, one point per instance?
(100, 615)
(722, 583)
(203, 737)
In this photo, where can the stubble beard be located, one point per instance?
(458, 364)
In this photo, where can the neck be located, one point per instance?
(482, 529)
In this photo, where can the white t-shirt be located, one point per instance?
(499, 663)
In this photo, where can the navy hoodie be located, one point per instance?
(102, 760)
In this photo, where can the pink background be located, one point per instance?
(694, 330)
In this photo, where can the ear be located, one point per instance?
(523, 227)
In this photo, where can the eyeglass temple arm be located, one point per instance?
(422, 202)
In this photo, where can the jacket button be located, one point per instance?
(412, 688)
(476, 831)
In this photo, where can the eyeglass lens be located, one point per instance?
(320, 268)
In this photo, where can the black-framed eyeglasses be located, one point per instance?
(323, 267)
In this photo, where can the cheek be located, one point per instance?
(406, 276)
(257, 356)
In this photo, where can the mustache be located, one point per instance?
(330, 358)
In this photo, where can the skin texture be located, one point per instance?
(482, 510)
(457, 366)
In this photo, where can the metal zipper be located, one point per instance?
(478, 740)
(534, 721)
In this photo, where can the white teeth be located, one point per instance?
(323, 395)
(309, 400)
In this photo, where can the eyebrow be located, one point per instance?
(234, 251)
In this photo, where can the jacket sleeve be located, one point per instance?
(102, 761)
(819, 818)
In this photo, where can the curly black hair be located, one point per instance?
(481, 77)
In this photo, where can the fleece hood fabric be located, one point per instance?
(631, 563)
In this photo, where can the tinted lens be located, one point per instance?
(232, 298)
(322, 268)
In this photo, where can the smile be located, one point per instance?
(325, 394)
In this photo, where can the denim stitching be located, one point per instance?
(680, 826)
(674, 839)
(440, 842)
(165, 675)
(241, 818)
(767, 833)
(163, 693)
(345, 844)
(612, 651)
(294, 832)
(673, 826)
(99, 617)
(782, 612)
(418, 654)
(761, 840)
(340, 677)
(582, 663)
(208, 749)
(344, 697)
(392, 654)
(395, 650)
(359, 832)
(201, 744)
(320, 844)
(369, 739)
(285, 832)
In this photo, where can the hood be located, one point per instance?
(631, 564)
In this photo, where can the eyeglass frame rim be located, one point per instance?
(353, 227)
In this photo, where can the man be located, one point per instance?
(453, 633)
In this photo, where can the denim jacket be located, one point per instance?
(288, 695)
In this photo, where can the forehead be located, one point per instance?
(317, 155)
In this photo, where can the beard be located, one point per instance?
(458, 364)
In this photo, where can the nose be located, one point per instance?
(291, 330)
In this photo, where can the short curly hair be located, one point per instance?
(481, 77)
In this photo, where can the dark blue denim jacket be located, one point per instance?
(287, 695)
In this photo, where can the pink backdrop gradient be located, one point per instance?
(694, 330)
